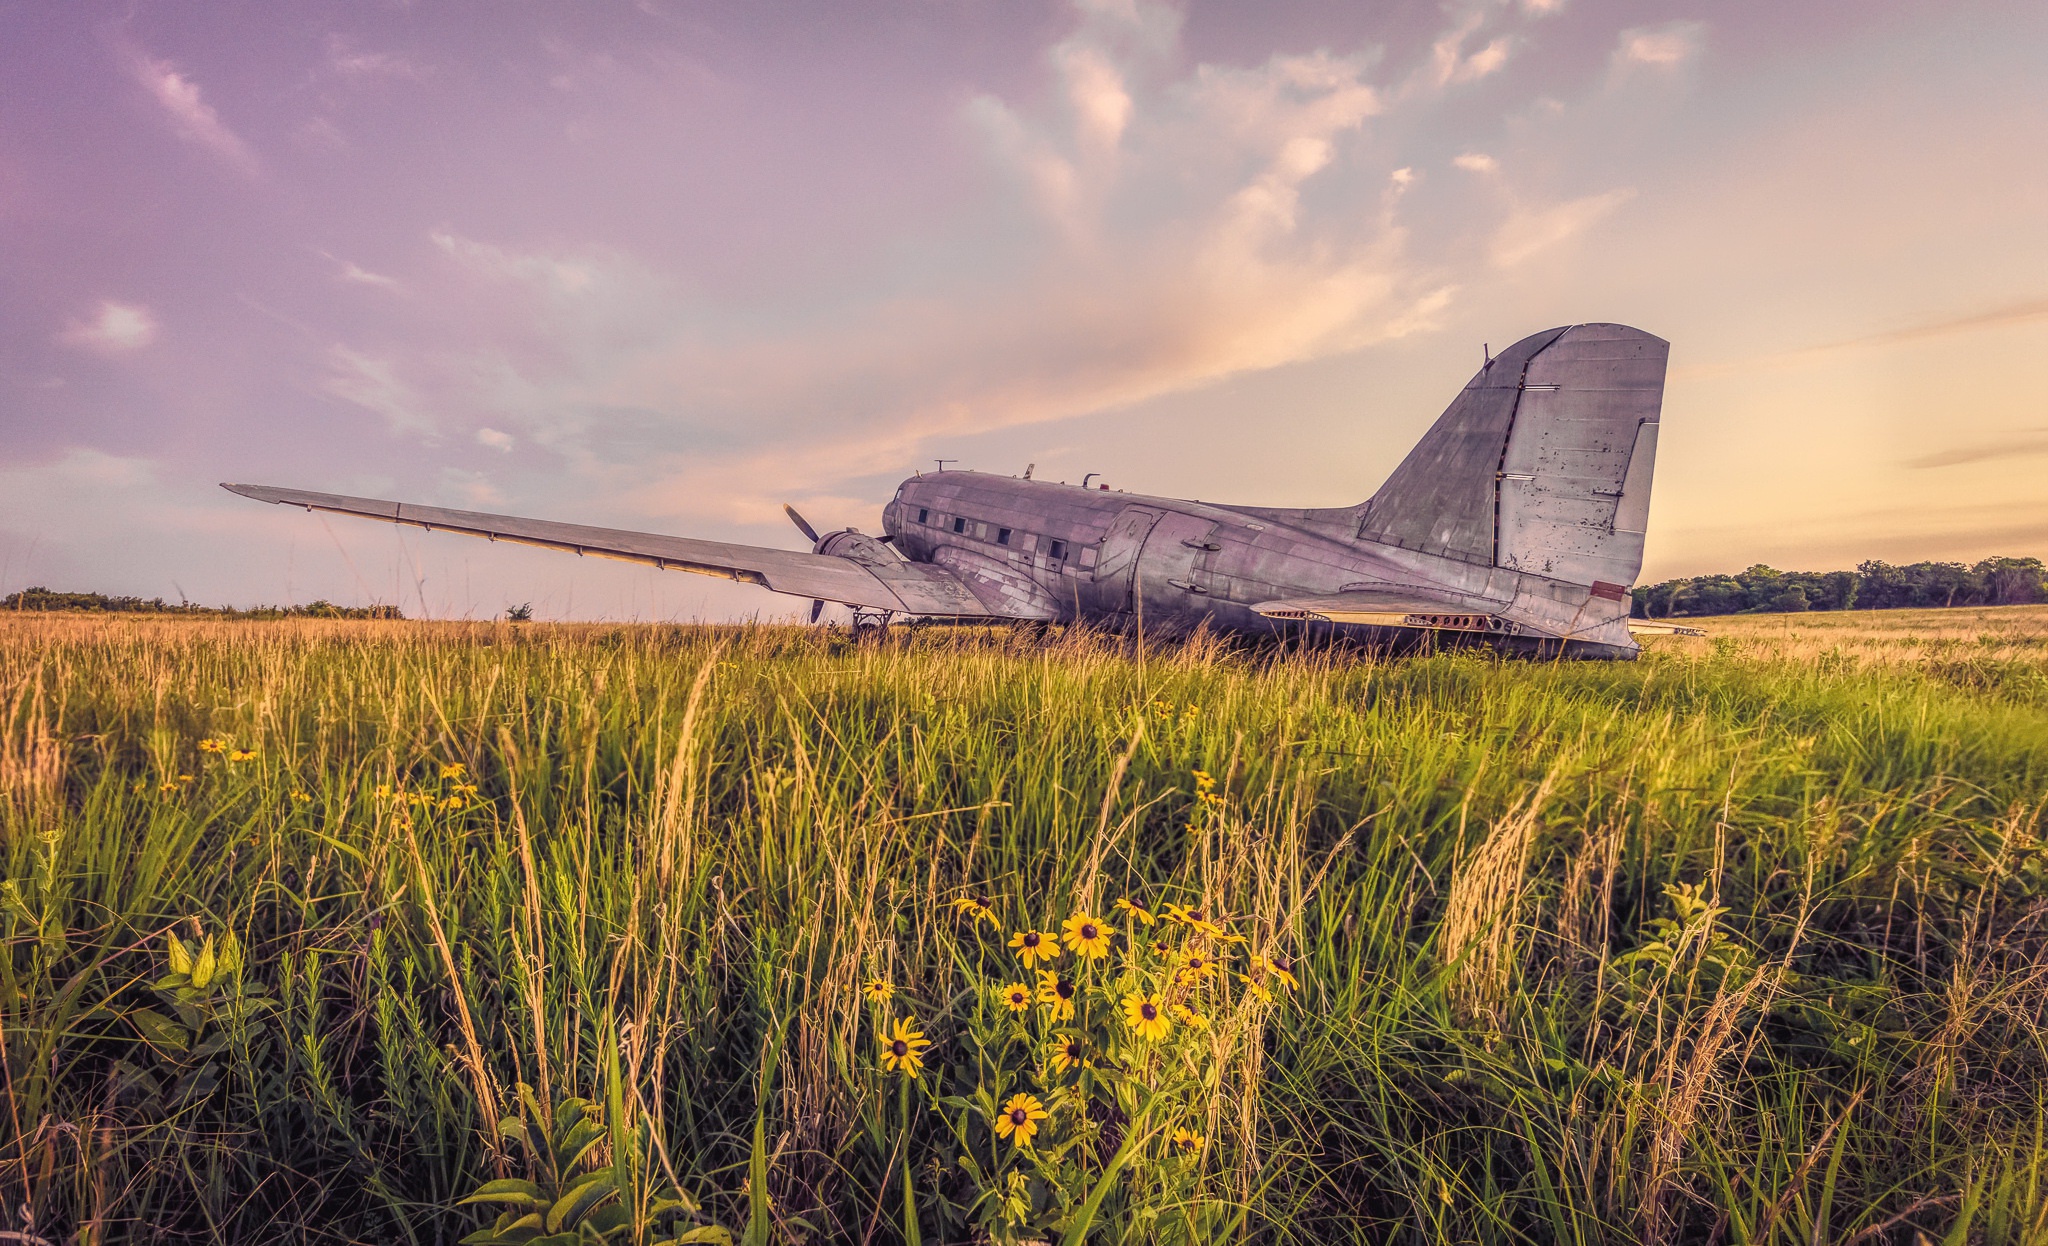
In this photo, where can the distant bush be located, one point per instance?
(1873, 585)
(44, 599)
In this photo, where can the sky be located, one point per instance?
(667, 266)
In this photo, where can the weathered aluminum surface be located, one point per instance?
(1519, 515)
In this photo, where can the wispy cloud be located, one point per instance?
(2026, 444)
(1476, 162)
(113, 329)
(1528, 231)
(191, 116)
(374, 385)
(2005, 315)
(1663, 47)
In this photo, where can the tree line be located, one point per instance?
(1873, 585)
(101, 603)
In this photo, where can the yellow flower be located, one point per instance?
(213, 744)
(1144, 917)
(453, 770)
(1197, 967)
(167, 787)
(1019, 1119)
(903, 1048)
(877, 991)
(1279, 967)
(1204, 782)
(1068, 1054)
(1188, 1142)
(1034, 946)
(1144, 1014)
(451, 802)
(1056, 993)
(1189, 1017)
(241, 754)
(1087, 936)
(976, 908)
(300, 798)
(1258, 989)
(1193, 920)
(465, 789)
(383, 791)
(1017, 996)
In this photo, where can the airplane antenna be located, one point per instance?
(942, 462)
(1487, 351)
(1028, 469)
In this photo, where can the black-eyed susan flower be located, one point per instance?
(1147, 1017)
(1016, 997)
(383, 791)
(1057, 994)
(1187, 1142)
(1018, 1120)
(1256, 988)
(1281, 969)
(1087, 936)
(974, 908)
(1189, 1017)
(1194, 920)
(1068, 1054)
(213, 744)
(241, 754)
(1194, 967)
(877, 991)
(300, 798)
(454, 770)
(903, 1048)
(1137, 912)
(1034, 946)
(1204, 781)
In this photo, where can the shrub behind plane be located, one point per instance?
(1517, 520)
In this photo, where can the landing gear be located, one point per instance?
(869, 624)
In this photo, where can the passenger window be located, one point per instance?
(1057, 551)
(959, 525)
(1002, 536)
(923, 515)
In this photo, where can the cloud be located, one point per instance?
(1530, 230)
(355, 274)
(344, 59)
(114, 329)
(374, 385)
(1476, 162)
(1451, 65)
(2029, 443)
(494, 439)
(2002, 316)
(1663, 47)
(192, 118)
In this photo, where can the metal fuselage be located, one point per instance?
(1073, 554)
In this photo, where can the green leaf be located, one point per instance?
(568, 1113)
(581, 1199)
(703, 1233)
(512, 1129)
(203, 967)
(577, 1143)
(181, 957)
(524, 1229)
(159, 1030)
(508, 1190)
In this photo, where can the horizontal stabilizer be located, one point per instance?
(876, 584)
(1375, 608)
(1647, 627)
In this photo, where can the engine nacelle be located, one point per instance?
(857, 546)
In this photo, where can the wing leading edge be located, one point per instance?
(906, 587)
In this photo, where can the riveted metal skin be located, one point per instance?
(1518, 519)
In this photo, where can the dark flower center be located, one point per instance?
(1088, 932)
(1149, 1011)
(1031, 940)
(1018, 1116)
(899, 1047)
(1064, 989)
(1195, 963)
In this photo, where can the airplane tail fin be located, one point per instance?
(1542, 464)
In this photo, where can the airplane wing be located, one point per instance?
(1383, 608)
(902, 586)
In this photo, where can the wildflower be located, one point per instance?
(383, 791)
(167, 787)
(465, 789)
(1145, 1015)
(1017, 996)
(241, 754)
(1087, 936)
(1204, 781)
(976, 908)
(1056, 993)
(1188, 1142)
(454, 770)
(1161, 948)
(1019, 1119)
(1068, 1054)
(300, 798)
(213, 744)
(1197, 967)
(1193, 920)
(1188, 1017)
(1142, 915)
(877, 991)
(451, 802)
(1257, 989)
(1033, 946)
(903, 1048)
(1279, 967)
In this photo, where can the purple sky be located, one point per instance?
(668, 265)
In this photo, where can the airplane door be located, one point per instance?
(1116, 557)
(1173, 571)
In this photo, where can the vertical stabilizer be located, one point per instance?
(1542, 464)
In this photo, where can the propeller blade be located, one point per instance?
(803, 525)
(817, 608)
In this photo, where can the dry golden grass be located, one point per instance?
(2002, 632)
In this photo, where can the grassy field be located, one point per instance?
(310, 926)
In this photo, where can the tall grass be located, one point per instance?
(1736, 943)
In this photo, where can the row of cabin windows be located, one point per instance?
(1055, 550)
